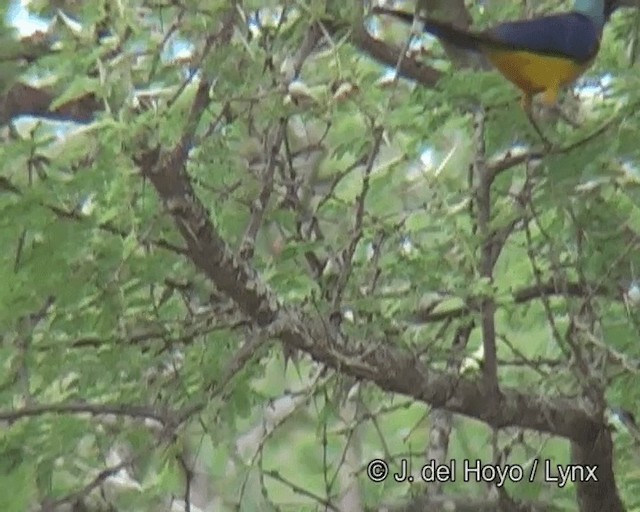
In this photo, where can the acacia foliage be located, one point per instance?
(209, 189)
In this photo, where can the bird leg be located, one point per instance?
(527, 106)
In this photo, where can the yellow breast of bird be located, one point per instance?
(534, 73)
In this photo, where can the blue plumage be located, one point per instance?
(540, 55)
(572, 35)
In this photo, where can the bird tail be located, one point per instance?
(446, 32)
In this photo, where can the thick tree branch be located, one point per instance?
(385, 54)
(25, 100)
(393, 369)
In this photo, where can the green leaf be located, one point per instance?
(79, 87)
